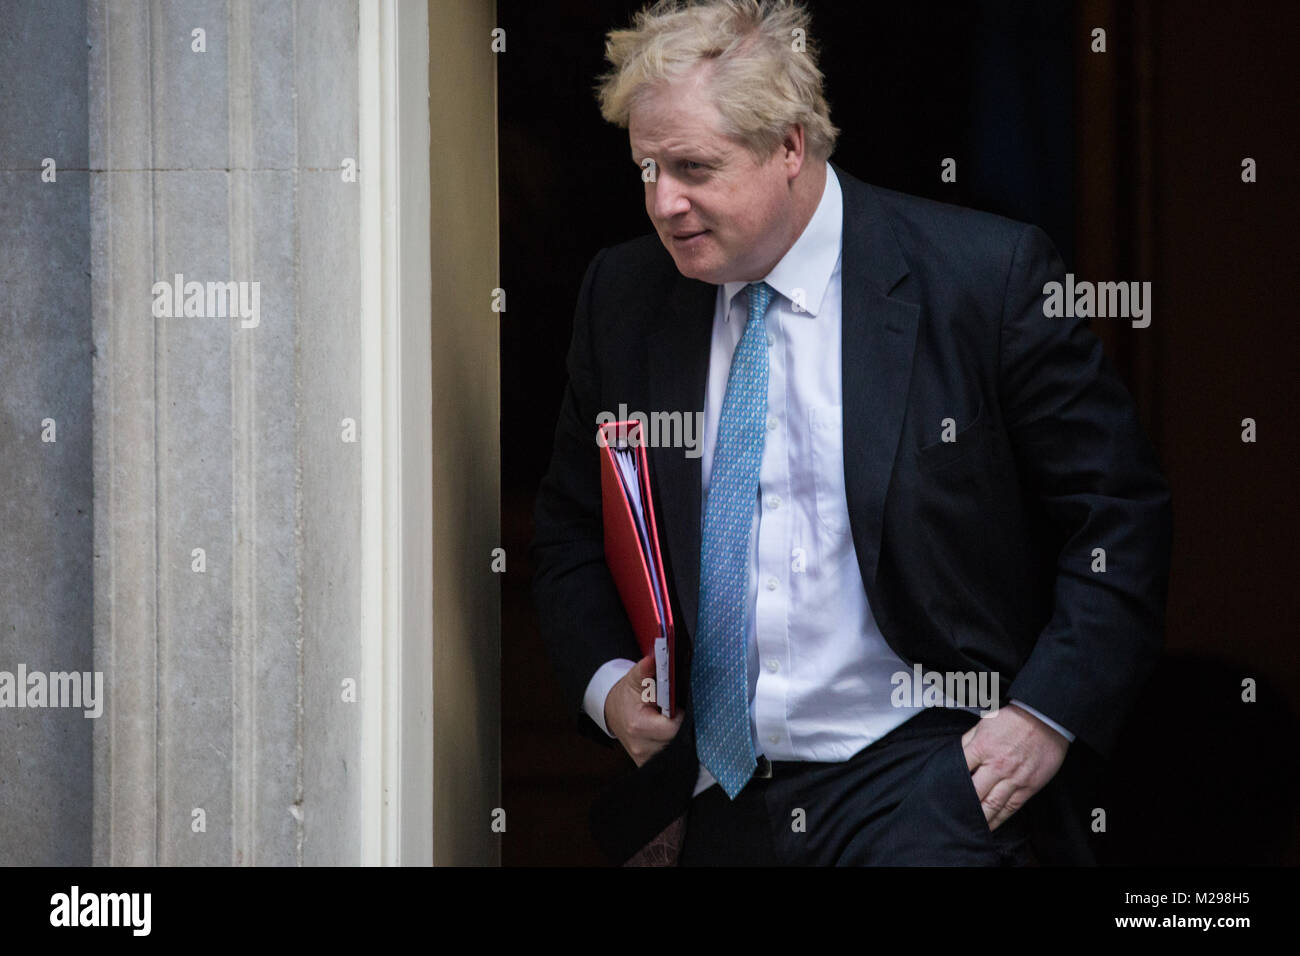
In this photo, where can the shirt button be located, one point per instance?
(771, 424)
(770, 340)
(771, 584)
(773, 501)
(774, 665)
(773, 739)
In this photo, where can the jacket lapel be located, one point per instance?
(679, 368)
(878, 340)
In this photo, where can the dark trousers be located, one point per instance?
(905, 800)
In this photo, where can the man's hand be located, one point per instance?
(1013, 755)
(639, 726)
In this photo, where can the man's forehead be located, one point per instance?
(697, 147)
(678, 130)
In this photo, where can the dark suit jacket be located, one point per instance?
(975, 554)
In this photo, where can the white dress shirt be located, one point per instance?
(819, 669)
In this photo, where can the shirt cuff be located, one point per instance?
(598, 688)
(1047, 720)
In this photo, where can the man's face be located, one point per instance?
(722, 216)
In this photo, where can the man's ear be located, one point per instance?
(792, 147)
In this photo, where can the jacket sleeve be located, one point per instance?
(1081, 453)
(580, 616)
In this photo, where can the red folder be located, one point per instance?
(632, 551)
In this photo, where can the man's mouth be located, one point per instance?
(687, 236)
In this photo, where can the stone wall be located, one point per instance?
(45, 426)
(212, 574)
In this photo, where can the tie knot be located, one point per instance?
(760, 296)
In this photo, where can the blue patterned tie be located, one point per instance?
(719, 684)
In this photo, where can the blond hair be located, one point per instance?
(764, 80)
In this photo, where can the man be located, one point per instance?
(906, 470)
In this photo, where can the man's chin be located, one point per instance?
(694, 267)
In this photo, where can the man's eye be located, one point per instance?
(691, 165)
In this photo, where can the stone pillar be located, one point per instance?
(226, 498)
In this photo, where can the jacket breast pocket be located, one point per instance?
(826, 428)
(967, 440)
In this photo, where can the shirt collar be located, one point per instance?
(810, 262)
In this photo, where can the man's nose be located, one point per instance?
(669, 199)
